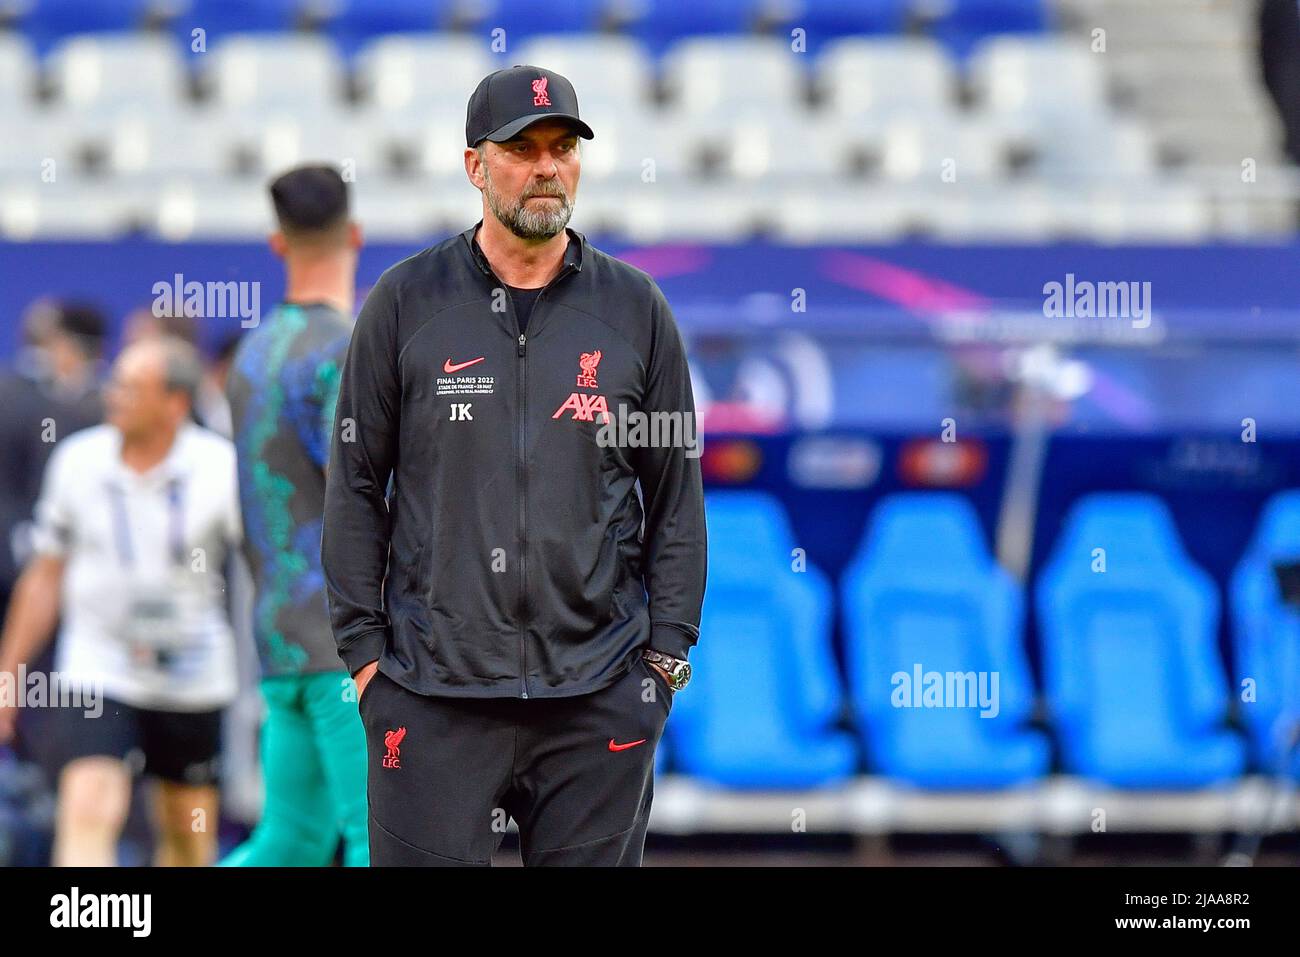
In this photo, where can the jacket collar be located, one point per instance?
(573, 253)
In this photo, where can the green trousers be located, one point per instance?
(314, 774)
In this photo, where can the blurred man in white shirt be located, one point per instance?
(134, 524)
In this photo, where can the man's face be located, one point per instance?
(531, 181)
(137, 400)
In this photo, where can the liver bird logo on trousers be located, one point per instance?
(393, 741)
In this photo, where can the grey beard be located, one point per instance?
(526, 222)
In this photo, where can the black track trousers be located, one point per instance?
(446, 773)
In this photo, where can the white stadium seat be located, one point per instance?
(17, 74)
(805, 147)
(712, 76)
(95, 72)
(414, 210)
(67, 209)
(869, 75)
(355, 144)
(812, 215)
(692, 212)
(1015, 75)
(32, 142)
(929, 150)
(294, 72)
(1006, 213)
(144, 143)
(218, 209)
(1092, 149)
(429, 76)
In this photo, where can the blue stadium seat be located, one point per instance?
(827, 20)
(522, 19)
(220, 18)
(354, 23)
(663, 22)
(46, 22)
(1266, 633)
(760, 709)
(1134, 681)
(966, 22)
(923, 592)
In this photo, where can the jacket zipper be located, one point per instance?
(520, 466)
(523, 507)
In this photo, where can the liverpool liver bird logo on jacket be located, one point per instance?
(588, 362)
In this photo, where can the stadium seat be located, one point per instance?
(31, 142)
(281, 140)
(807, 215)
(1139, 212)
(416, 210)
(150, 144)
(69, 208)
(923, 593)
(991, 213)
(883, 77)
(523, 19)
(17, 75)
(418, 78)
(1266, 633)
(718, 212)
(715, 76)
(107, 73)
(299, 73)
(352, 24)
(219, 19)
(751, 147)
(1032, 78)
(1092, 149)
(932, 148)
(765, 693)
(196, 209)
(660, 23)
(47, 22)
(1128, 623)
(824, 21)
(964, 23)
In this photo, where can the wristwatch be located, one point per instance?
(678, 668)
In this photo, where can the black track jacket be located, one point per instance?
(508, 558)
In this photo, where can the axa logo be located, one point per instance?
(587, 362)
(393, 742)
(539, 92)
(584, 407)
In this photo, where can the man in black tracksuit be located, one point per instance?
(515, 634)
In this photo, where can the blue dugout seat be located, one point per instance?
(1266, 635)
(760, 709)
(923, 596)
(1128, 624)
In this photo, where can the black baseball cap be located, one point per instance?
(506, 101)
